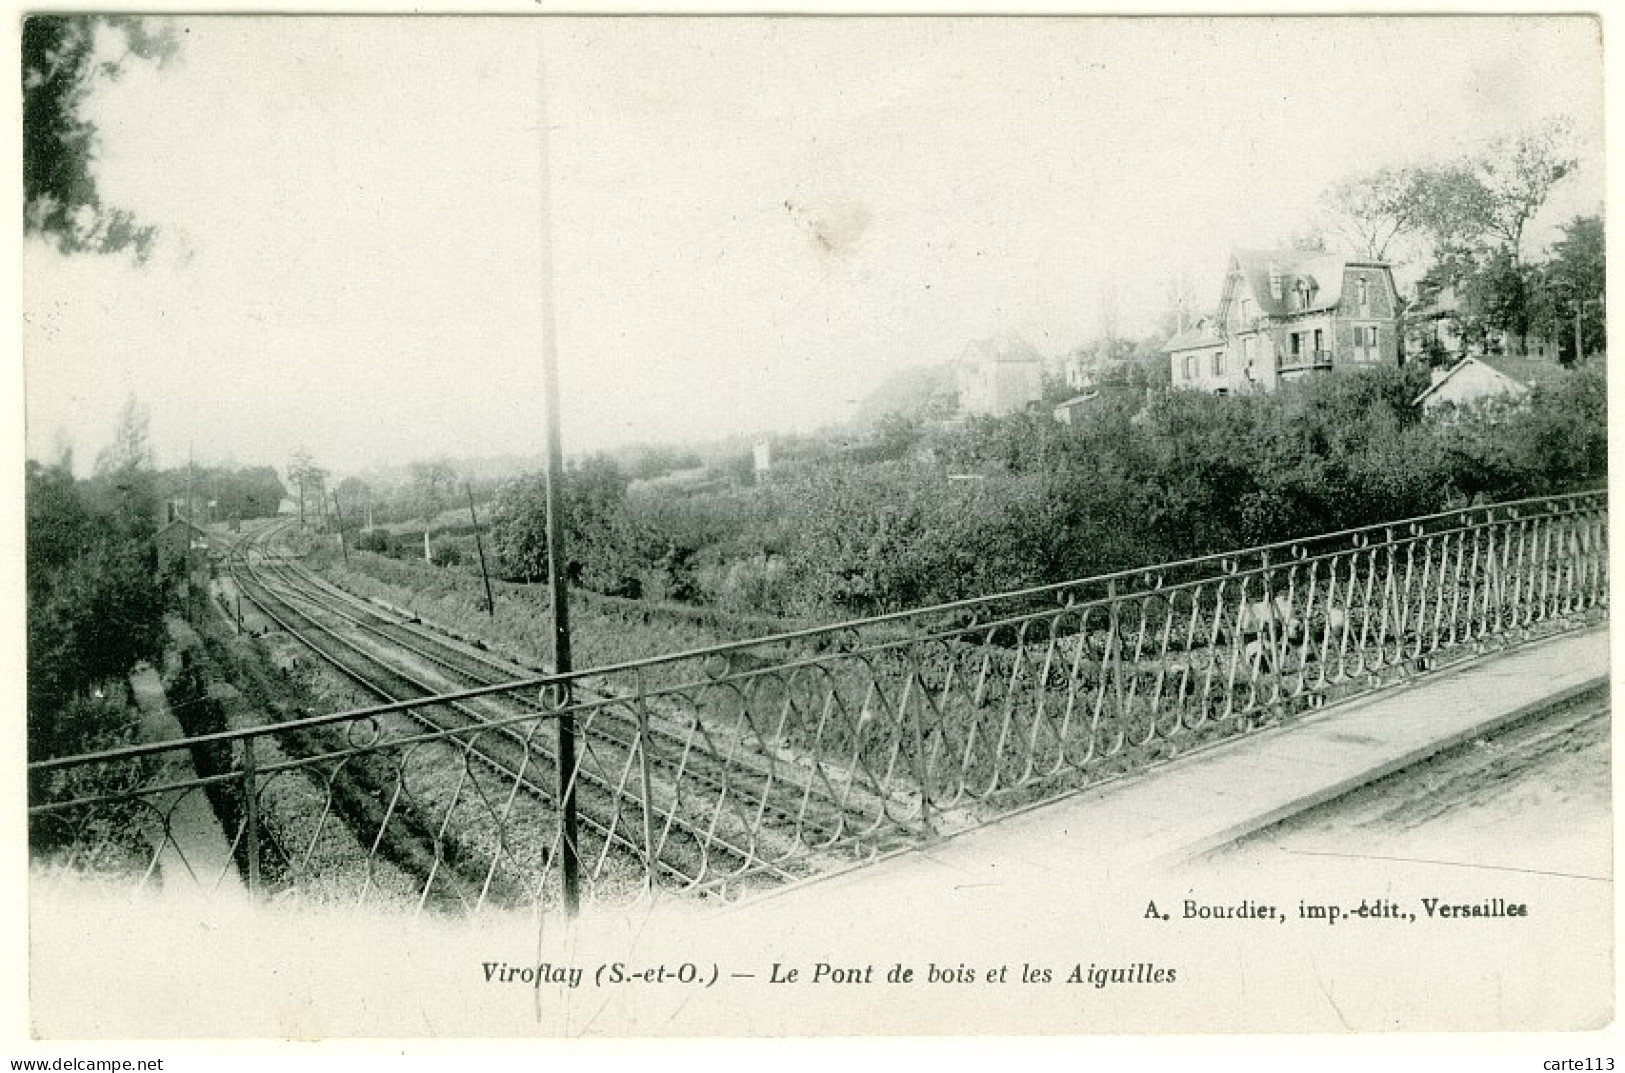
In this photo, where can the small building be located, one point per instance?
(1200, 357)
(1069, 411)
(1474, 380)
(999, 376)
(1289, 314)
(177, 540)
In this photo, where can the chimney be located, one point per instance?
(1275, 281)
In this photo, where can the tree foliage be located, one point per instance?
(95, 598)
(64, 59)
(593, 492)
(1022, 500)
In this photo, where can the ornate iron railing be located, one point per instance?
(763, 761)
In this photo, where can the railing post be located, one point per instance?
(251, 815)
(646, 776)
(922, 772)
(1114, 647)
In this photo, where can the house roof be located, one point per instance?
(1323, 272)
(195, 528)
(1525, 370)
(1004, 349)
(1200, 334)
(1490, 364)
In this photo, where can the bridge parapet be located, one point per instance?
(771, 759)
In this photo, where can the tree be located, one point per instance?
(1517, 175)
(357, 497)
(95, 600)
(64, 59)
(1375, 209)
(130, 448)
(308, 477)
(596, 534)
(1573, 285)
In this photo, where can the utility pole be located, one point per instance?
(479, 546)
(186, 530)
(570, 864)
(339, 515)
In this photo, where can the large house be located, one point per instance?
(1288, 314)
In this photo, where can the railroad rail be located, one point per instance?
(760, 761)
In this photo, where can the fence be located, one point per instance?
(754, 763)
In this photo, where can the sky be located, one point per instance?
(752, 221)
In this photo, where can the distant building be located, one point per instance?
(1071, 411)
(179, 539)
(1067, 412)
(1288, 314)
(1473, 380)
(761, 458)
(999, 376)
(1435, 322)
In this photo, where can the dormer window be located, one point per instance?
(1364, 286)
(1302, 290)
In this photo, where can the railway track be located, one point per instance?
(709, 818)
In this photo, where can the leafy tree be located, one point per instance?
(95, 600)
(253, 492)
(1572, 286)
(593, 494)
(64, 59)
(1517, 175)
(1375, 209)
(309, 478)
(130, 448)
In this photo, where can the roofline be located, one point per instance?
(1458, 367)
(1215, 341)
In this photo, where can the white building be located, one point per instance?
(999, 376)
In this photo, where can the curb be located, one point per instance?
(1350, 783)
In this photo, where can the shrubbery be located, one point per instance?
(95, 599)
(1023, 500)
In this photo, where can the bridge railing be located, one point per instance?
(762, 761)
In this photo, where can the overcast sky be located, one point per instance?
(754, 221)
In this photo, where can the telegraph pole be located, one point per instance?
(339, 514)
(570, 862)
(479, 546)
(186, 529)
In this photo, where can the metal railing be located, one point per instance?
(758, 762)
(1308, 359)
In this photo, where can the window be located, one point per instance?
(1190, 366)
(1365, 295)
(1297, 344)
(1320, 341)
(1218, 363)
(1366, 342)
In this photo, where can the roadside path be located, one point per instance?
(196, 850)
